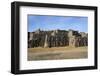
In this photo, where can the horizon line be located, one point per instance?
(57, 29)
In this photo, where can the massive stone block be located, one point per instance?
(46, 43)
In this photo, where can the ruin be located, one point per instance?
(57, 38)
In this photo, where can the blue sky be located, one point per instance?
(45, 22)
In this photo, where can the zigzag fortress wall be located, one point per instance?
(57, 38)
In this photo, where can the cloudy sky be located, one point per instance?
(45, 22)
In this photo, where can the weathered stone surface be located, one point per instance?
(46, 42)
(56, 38)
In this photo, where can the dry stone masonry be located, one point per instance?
(57, 38)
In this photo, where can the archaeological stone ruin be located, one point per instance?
(57, 38)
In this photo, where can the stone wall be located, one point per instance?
(57, 38)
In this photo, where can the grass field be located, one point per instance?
(56, 53)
